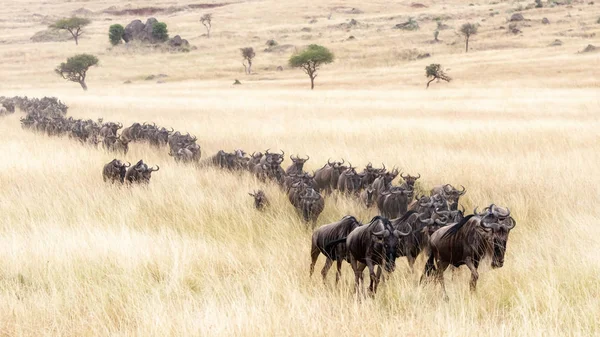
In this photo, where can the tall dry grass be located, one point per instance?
(188, 255)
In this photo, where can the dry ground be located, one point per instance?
(518, 126)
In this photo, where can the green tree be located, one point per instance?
(248, 55)
(434, 72)
(73, 25)
(115, 34)
(76, 67)
(310, 60)
(160, 32)
(468, 30)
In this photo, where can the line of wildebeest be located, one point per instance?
(408, 223)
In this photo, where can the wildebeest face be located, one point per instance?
(386, 243)
(410, 180)
(497, 223)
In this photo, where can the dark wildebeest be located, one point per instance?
(468, 242)
(297, 166)
(371, 245)
(110, 129)
(450, 193)
(384, 182)
(140, 173)
(350, 181)
(115, 171)
(418, 239)
(260, 199)
(132, 132)
(311, 205)
(371, 173)
(327, 176)
(394, 203)
(306, 178)
(367, 197)
(409, 181)
(119, 144)
(328, 233)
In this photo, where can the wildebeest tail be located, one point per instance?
(329, 248)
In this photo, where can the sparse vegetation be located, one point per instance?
(160, 32)
(468, 30)
(436, 34)
(538, 4)
(206, 20)
(411, 24)
(115, 34)
(76, 67)
(435, 72)
(73, 25)
(310, 60)
(248, 55)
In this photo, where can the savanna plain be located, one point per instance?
(188, 255)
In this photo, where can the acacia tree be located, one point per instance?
(467, 30)
(310, 60)
(76, 67)
(206, 20)
(248, 55)
(435, 72)
(73, 25)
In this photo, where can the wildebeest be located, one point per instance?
(371, 245)
(260, 199)
(140, 173)
(370, 173)
(311, 205)
(269, 167)
(409, 181)
(468, 242)
(394, 203)
(132, 132)
(450, 193)
(384, 182)
(327, 176)
(116, 144)
(110, 129)
(367, 197)
(328, 233)
(417, 240)
(115, 171)
(350, 181)
(297, 166)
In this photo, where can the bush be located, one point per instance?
(160, 32)
(538, 4)
(598, 21)
(115, 34)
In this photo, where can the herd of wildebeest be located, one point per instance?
(408, 223)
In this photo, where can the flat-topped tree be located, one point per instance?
(73, 25)
(76, 67)
(467, 30)
(248, 55)
(310, 60)
(434, 72)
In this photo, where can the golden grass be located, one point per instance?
(188, 255)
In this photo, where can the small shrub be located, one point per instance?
(160, 32)
(598, 22)
(538, 4)
(115, 34)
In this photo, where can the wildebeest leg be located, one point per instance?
(379, 276)
(357, 274)
(411, 262)
(361, 268)
(314, 255)
(326, 267)
(338, 274)
(372, 275)
(474, 274)
(441, 267)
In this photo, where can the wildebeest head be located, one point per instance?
(371, 173)
(260, 199)
(299, 161)
(368, 196)
(410, 180)
(452, 195)
(497, 223)
(385, 241)
(144, 172)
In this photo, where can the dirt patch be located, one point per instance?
(147, 11)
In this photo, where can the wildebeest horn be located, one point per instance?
(398, 233)
(307, 158)
(292, 157)
(369, 164)
(128, 164)
(172, 130)
(343, 162)
(418, 176)
(428, 222)
(329, 162)
(403, 176)
(385, 233)
(251, 194)
(267, 151)
(119, 125)
(464, 190)
(153, 169)
(513, 224)
(382, 164)
(480, 214)
(463, 209)
(448, 188)
(439, 222)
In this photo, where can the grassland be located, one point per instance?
(189, 256)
